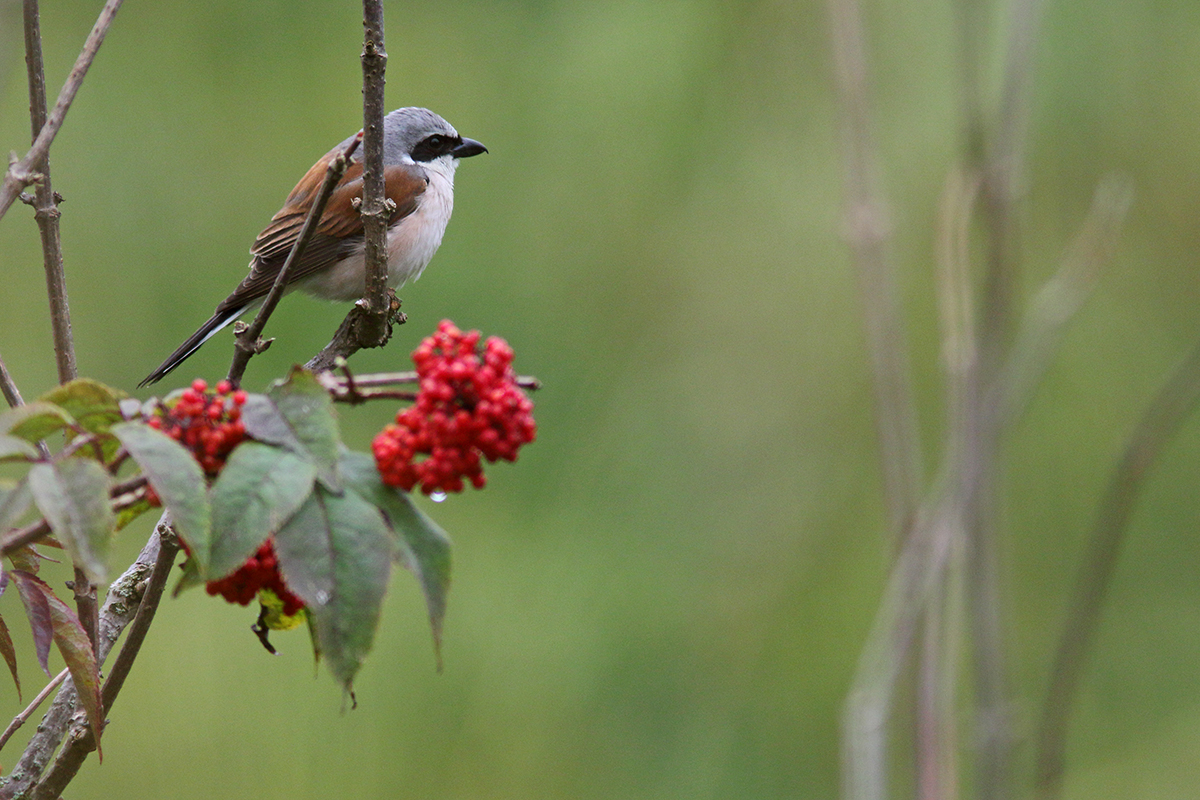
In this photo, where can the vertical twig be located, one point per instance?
(46, 213)
(867, 227)
(45, 206)
(1001, 175)
(22, 173)
(375, 211)
(1174, 403)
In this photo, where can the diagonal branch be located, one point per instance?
(248, 344)
(1175, 402)
(23, 172)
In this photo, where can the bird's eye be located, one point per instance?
(435, 141)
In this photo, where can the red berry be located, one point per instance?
(466, 408)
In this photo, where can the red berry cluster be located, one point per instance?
(261, 571)
(208, 424)
(468, 407)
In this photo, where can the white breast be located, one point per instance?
(411, 242)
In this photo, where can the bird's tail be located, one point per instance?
(215, 323)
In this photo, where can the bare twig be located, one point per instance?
(23, 717)
(1002, 175)
(867, 229)
(8, 387)
(376, 214)
(382, 385)
(1044, 323)
(349, 337)
(45, 206)
(247, 340)
(1174, 403)
(22, 173)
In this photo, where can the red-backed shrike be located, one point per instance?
(420, 153)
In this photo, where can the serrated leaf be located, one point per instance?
(14, 502)
(10, 654)
(72, 495)
(258, 490)
(74, 646)
(298, 414)
(424, 548)
(13, 448)
(335, 554)
(35, 421)
(37, 609)
(94, 406)
(177, 479)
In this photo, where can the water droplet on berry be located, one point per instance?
(437, 497)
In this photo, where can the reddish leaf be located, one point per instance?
(10, 654)
(75, 648)
(37, 608)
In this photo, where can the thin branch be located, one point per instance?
(350, 338)
(916, 578)
(867, 230)
(376, 208)
(1175, 402)
(23, 717)
(355, 389)
(1002, 176)
(248, 343)
(1044, 324)
(12, 395)
(22, 173)
(45, 205)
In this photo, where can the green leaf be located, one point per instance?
(177, 479)
(35, 421)
(73, 645)
(16, 449)
(14, 502)
(92, 404)
(10, 654)
(424, 547)
(298, 414)
(258, 490)
(335, 554)
(72, 495)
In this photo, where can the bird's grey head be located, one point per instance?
(422, 136)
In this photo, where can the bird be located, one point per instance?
(421, 152)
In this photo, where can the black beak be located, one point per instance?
(468, 148)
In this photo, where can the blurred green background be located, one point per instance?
(666, 596)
